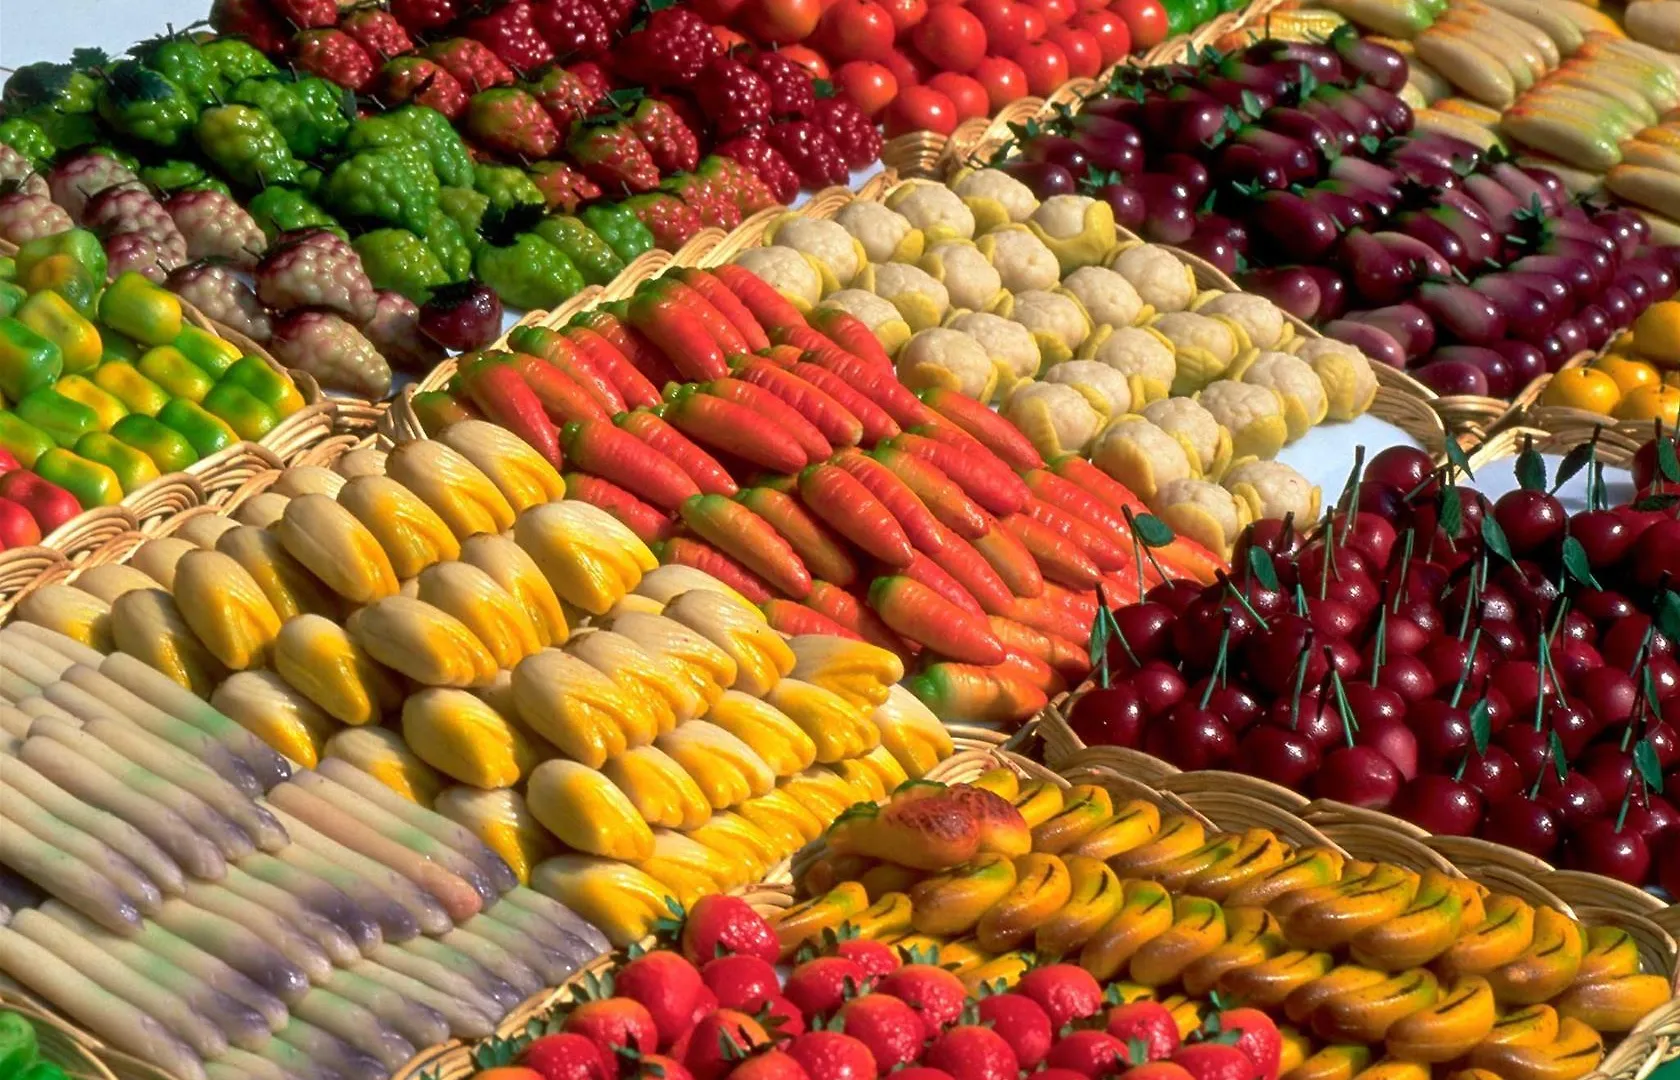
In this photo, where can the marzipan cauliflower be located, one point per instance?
(1055, 319)
(1272, 489)
(1140, 456)
(946, 358)
(1078, 228)
(994, 197)
(1252, 414)
(919, 298)
(1142, 353)
(836, 251)
(1107, 297)
(967, 275)
(1204, 439)
(1202, 511)
(1022, 260)
(1304, 403)
(1056, 418)
(793, 273)
(935, 209)
(1164, 283)
(886, 235)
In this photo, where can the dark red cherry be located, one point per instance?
(1651, 815)
(1442, 730)
(1574, 659)
(1440, 804)
(1197, 631)
(1574, 724)
(1402, 636)
(1317, 718)
(1448, 658)
(1371, 535)
(1159, 688)
(1523, 823)
(1403, 467)
(1108, 716)
(1504, 640)
(1519, 681)
(1283, 757)
(1598, 847)
(1610, 768)
(1656, 554)
(1604, 606)
(1359, 776)
(1235, 704)
(1275, 656)
(1610, 694)
(1494, 774)
(1174, 595)
(1666, 742)
(1604, 536)
(1374, 704)
(1576, 626)
(1624, 639)
(1146, 629)
(1575, 799)
(1191, 737)
(1528, 748)
(1407, 676)
(1532, 520)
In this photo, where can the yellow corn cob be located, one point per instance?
(425, 643)
(782, 744)
(462, 737)
(482, 606)
(452, 486)
(707, 667)
(857, 671)
(363, 462)
(156, 558)
(335, 547)
(71, 612)
(382, 754)
(664, 584)
(226, 609)
(577, 708)
(762, 656)
(146, 624)
(588, 555)
(108, 581)
(911, 732)
(733, 836)
(412, 534)
(262, 509)
(648, 678)
(840, 729)
(727, 769)
(517, 470)
(501, 819)
(290, 588)
(583, 809)
(203, 529)
(621, 900)
(783, 818)
(678, 861)
(512, 569)
(320, 661)
(265, 705)
(308, 480)
(661, 790)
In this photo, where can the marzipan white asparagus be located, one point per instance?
(355, 1025)
(322, 931)
(415, 1021)
(63, 644)
(427, 912)
(429, 973)
(68, 878)
(94, 1008)
(341, 1060)
(552, 910)
(26, 658)
(214, 972)
(14, 721)
(568, 937)
(394, 921)
(554, 965)
(13, 686)
(464, 1020)
(157, 688)
(41, 705)
(503, 964)
(19, 811)
(236, 1064)
(295, 1064)
(278, 931)
(241, 948)
(318, 896)
(455, 961)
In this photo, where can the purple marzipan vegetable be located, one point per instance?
(1291, 288)
(1373, 341)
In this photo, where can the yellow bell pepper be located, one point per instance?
(132, 467)
(169, 368)
(145, 312)
(105, 405)
(50, 315)
(123, 381)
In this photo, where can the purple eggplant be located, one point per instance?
(1366, 174)
(1373, 341)
(1042, 177)
(1526, 361)
(1589, 232)
(1572, 272)
(1186, 126)
(1378, 273)
(1056, 150)
(1415, 251)
(1554, 291)
(1595, 325)
(1618, 306)
(1627, 228)
(1346, 211)
(1408, 323)
(1431, 231)
(1461, 313)
(1332, 290)
(1523, 307)
(1394, 115)
(1111, 154)
(1128, 205)
(1239, 163)
(1447, 151)
(1543, 182)
(1666, 256)
(1303, 127)
(1241, 96)
(1364, 58)
(1490, 362)
(1359, 116)
(1497, 201)
(1660, 279)
(1571, 335)
(1190, 172)
(1293, 226)
(1452, 378)
(1321, 60)
(1122, 107)
(1291, 288)
(1638, 293)
(1168, 221)
(1456, 198)
(1214, 246)
(1162, 187)
(1235, 232)
(1347, 139)
(1298, 162)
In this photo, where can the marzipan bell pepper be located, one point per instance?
(169, 449)
(133, 468)
(27, 360)
(60, 417)
(124, 382)
(134, 306)
(51, 315)
(91, 483)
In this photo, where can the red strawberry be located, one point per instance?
(850, 129)
(1065, 992)
(563, 187)
(473, 65)
(672, 222)
(656, 1067)
(566, 1057)
(1150, 1024)
(564, 97)
(819, 987)
(572, 28)
(1216, 1061)
(614, 1022)
(617, 13)
(1257, 1037)
(510, 122)
(1059, 1074)
(417, 79)
(421, 16)
(733, 96)
(593, 76)
(970, 1050)
(1023, 1025)
(740, 981)
(769, 1065)
(1154, 1070)
(782, 1019)
(251, 20)
(377, 31)
(791, 88)
(887, 1027)
(762, 160)
(672, 49)
(334, 56)
(729, 923)
(737, 183)
(876, 960)
(1092, 1053)
(919, 1072)
(937, 995)
(721, 1040)
(813, 155)
(510, 31)
(670, 142)
(610, 154)
(667, 986)
(832, 1055)
(306, 14)
(704, 197)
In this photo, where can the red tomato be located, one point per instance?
(918, 108)
(728, 38)
(965, 93)
(1046, 66)
(1146, 19)
(1058, 12)
(1002, 20)
(1114, 41)
(856, 30)
(906, 13)
(1084, 54)
(870, 86)
(1003, 79)
(951, 38)
(809, 59)
(905, 70)
(1033, 23)
(779, 22)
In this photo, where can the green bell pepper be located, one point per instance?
(83, 245)
(124, 382)
(120, 347)
(169, 449)
(62, 418)
(8, 268)
(595, 260)
(54, 318)
(18, 1046)
(12, 297)
(250, 418)
(619, 226)
(132, 467)
(91, 483)
(273, 388)
(134, 306)
(107, 406)
(27, 360)
(180, 378)
(212, 354)
(207, 432)
(21, 439)
(67, 277)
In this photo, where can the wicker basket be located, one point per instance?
(59, 1043)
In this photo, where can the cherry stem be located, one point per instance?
(1350, 494)
(1405, 568)
(1329, 554)
(1379, 655)
(1243, 600)
(1540, 776)
(1349, 724)
(1219, 660)
(1469, 665)
(1544, 665)
(1469, 599)
(1300, 681)
(1300, 600)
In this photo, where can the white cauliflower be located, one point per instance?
(1055, 417)
(879, 315)
(1022, 260)
(1056, 320)
(1205, 346)
(971, 279)
(1164, 283)
(1252, 414)
(886, 235)
(825, 241)
(919, 298)
(1078, 228)
(1202, 511)
(950, 359)
(1261, 319)
(1105, 388)
(1346, 373)
(1304, 401)
(789, 271)
(935, 209)
(1140, 456)
(1272, 489)
(995, 197)
(1207, 443)
(1108, 297)
(1008, 343)
(1143, 355)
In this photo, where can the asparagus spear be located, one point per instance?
(503, 964)
(214, 972)
(68, 878)
(130, 880)
(357, 1026)
(322, 931)
(452, 984)
(414, 1020)
(457, 962)
(236, 1064)
(332, 1052)
(41, 705)
(395, 923)
(37, 662)
(464, 1020)
(62, 644)
(427, 912)
(13, 686)
(270, 768)
(526, 908)
(86, 689)
(242, 949)
(296, 1064)
(318, 896)
(14, 721)
(549, 963)
(279, 932)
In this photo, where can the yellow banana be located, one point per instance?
(810, 919)
(337, 548)
(518, 575)
(883, 878)
(412, 534)
(1472, 897)
(1498, 939)
(1295, 1047)
(949, 904)
(1473, 1074)
(1259, 852)
(1094, 899)
(868, 783)
(1085, 808)
(1330, 923)
(958, 956)
(1178, 835)
(911, 732)
(1004, 783)
(1345, 979)
(838, 729)
(661, 790)
(1352, 880)
(573, 706)
(1448, 1029)
(821, 792)
(887, 919)
(725, 768)
(1614, 1003)
(1417, 935)
(652, 680)
(1038, 801)
(1366, 1014)
(583, 808)
(462, 737)
(1547, 967)
(859, 672)
(500, 819)
(1042, 886)
(1251, 935)
(762, 656)
(782, 817)
(1180, 870)
(590, 557)
(782, 744)
(522, 475)
(1394, 1070)
(1198, 928)
(1576, 1051)
(424, 642)
(1269, 983)
(1611, 952)
(1535, 1025)
(621, 900)
(1306, 868)
(1134, 823)
(1186, 1013)
(881, 762)
(677, 859)
(1145, 913)
(1340, 1061)
(455, 488)
(472, 596)
(1006, 969)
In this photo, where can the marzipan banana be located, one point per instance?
(1448, 1029)
(1417, 935)
(1085, 808)
(1145, 913)
(1042, 887)
(951, 903)
(1094, 899)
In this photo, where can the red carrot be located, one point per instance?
(597, 447)
(708, 285)
(954, 509)
(877, 425)
(837, 423)
(784, 356)
(793, 619)
(723, 331)
(638, 381)
(973, 694)
(833, 602)
(1068, 496)
(1108, 555)
(984, 478)
(1058, 558)
(679, 334)
(572, 361)
(777, 411)
(823, 553)
(1003, 438)
(881, 387)
(708, 475)
(647, 522)
(1011, 560)
(1034, 672)
(964, 562)
(502, 394)
(734, 429)
(836, 496)
(927, 572)
(769, 307)
(1184, 557)
(1042, 615)
(1018, 637)
(816, 345)
(912, 514)
(1080, 603)
(564, 399)
(922, 615)
(687, 551)
(850, 333)
(748, 539)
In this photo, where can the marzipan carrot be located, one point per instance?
(679, 334)
(778, 412)
(835, 496)
(927, 572)
(1021, 638)
(922, 615)
(983, 477)
(881, 387)
(966, 692)
(647, 522)
(638, 380)
(963, 562)
(954, 509)
(1011, 560)
(784, 356)
(707, 284)
(1045, 617)
(815, 406)
(564, 399)
(1183, 555)
(850, 333)
(912, 514)
(1068, 496)
(1003, 438)
(734, 429)
(1058, 558)
(599, 448)
(748, 539)
(793, 619)
(723, 331)
(769, 307)
(1108, 555)
(687, 551)
(571, 361)
(939, 428)
(502, 394)
(708, 475)
(833, 602)
(877, 425)
(1032, 671)
(816, 343)
(824, 554)
(1080, 603)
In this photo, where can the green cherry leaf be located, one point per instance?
(1575, 561)
(1667, 464)
(1494, 537)
(1481, 725)
(1460, 460)
(1650, 769)
(1152, 531)
(1531, 469)
(1260, 563)
(1452, 511)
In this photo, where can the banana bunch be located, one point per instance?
(762, 656)
(860, 673)
(590, 557)
(727, 770)
(583, 713)
(460, 493)
(645, 676)
(708, 669)
(503, 821)
(837, 728)
(911, 733)
(780, 743)
(523, 476)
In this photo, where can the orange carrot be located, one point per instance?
(769, 307)
(1058, 558)
(1184, 556)
(877, 425)
(719, 325)
(837, 423)
(835, 496)
(912, 514)
(823, 553)
(881, 387)
(638, 374)
(707, 284)
(963, 561)
(784, 356)
(975, 694)
(791, 618)
(748, 539)
(599, 448)
(1108, 555)
(1034, 672)
(1042, 615)
(982, 476)
(777, 411)
(1011, 560)
(922, 615)
(708, 475)
(850, 333)
(833, 602)
(1003, 438)
(687, 551)
(948, 502)
(734, 429)
(563, 398)
(566, 355)
(647, 522)
(924, 570)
